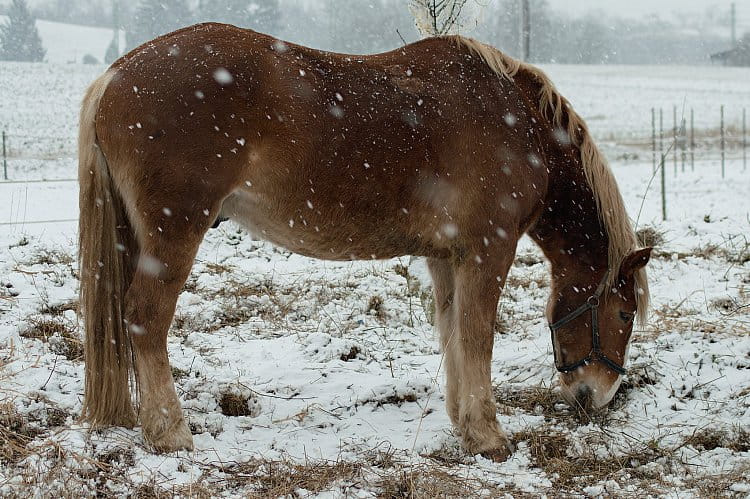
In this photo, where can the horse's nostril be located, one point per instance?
(584, 398)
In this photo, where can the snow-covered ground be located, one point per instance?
(333, 368)
(69, 43)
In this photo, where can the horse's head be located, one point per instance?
(591, 327)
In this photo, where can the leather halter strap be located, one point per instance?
(596, 353)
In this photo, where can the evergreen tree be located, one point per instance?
(19, 38)
(157, 17)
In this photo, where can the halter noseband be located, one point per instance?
(596, 353)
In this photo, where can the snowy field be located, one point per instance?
(306, 378)
(69, 43)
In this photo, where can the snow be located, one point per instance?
(328, 374)
(69, 43)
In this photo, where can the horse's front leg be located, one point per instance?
(479, 280)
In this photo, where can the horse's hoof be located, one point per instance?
(177, 437)
(497, 455)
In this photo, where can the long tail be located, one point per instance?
(106, 249)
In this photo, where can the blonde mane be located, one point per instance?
(609, 202)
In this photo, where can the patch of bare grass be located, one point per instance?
(550, 450)
(234, 404)
(424, 482)
(524, 281)
(721, 484)
(528, 259)
(650, 236)
(15, 434)
(58, 333)
(351, 354)
(266, 478)
(51, 257)
(376, 308)
(535, 400)
(244, 301)
(60, 308)
(737, 439)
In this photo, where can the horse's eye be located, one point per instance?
(627, 316)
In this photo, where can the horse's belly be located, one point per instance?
(322, 233)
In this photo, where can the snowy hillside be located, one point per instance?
(68, 43)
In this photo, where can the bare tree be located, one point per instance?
(437, 17)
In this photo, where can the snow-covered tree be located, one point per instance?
(19, 38)
(438, 17)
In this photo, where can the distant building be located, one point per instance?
(737, 56)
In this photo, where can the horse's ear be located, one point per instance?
(634, 261)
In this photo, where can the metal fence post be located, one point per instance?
(663, 188)
(692, 141)
(744, 139)
(5, 160)
(653, 140)
(674, 138)
(722, 141)
(661, 136)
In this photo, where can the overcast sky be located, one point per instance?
(641, 8)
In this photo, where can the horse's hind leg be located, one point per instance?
(443, 286)
(164, 263)
(478, 286)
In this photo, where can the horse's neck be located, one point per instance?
(569, 230)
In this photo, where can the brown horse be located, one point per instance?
(445, 148)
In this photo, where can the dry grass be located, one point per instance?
(243, 301)
(376, 308)
(351, 354)
(525, 280)
(569, 467)
(378, 471)
(58, 333)
(737, 439)
(15, 434)
(233, 404)
(735, 249)
(719, 485)
(650, 236)
(666, 318)
(423, 482)
(550, 450)
(60, 308)
(51, 257)
(267, 478)
(534, 399)
(396, 399)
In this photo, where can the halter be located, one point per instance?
(596, 353)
